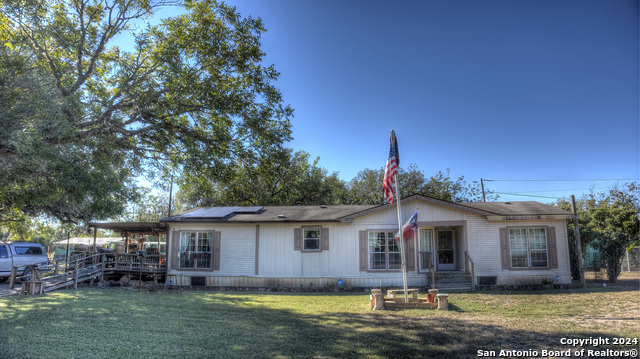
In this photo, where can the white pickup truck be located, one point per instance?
(20, 254)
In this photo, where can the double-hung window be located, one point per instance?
(311, 239)
(528, 247)
(196, 250)
(384, 252)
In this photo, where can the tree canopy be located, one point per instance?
(81, 117)
(366, 187)
(289, 178)
(610, 222)
(284, 179)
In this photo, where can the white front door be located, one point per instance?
(446, 249)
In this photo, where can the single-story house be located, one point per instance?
(506, 243)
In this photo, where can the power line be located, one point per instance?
(566, 190)
(525, 195)
(566, 180)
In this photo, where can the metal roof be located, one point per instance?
(524, 208)
(137, 227)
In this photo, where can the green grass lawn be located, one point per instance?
(117, 323)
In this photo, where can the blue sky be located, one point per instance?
(503, 90)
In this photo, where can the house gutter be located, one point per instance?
(528, 217)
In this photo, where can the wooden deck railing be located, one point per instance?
(75, 267)
(470, 268)
(92, 265)
(150, 263)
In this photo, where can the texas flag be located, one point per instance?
(408, 228)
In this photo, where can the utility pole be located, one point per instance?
(482, 185)
(170, 195)
(583, 282)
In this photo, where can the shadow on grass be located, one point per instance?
(116, 324)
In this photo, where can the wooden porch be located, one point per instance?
(87, 267)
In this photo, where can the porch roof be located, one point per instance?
(132, 227)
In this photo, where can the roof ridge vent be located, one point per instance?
(323, 206)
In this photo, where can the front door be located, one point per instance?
(446, 250)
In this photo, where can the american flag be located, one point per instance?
(408, 228)
(393, 161)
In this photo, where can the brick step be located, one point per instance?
(453, 281)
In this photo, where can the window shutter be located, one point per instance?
(411, 255)
(553, 248)
(325, 238)
(175, 249)
(504, 249)
(364, 251)
(216, 250)
(297, 239)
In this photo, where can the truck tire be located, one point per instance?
(26, 275)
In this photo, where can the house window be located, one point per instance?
(528, 247)
(196, 250)
(384, 252)
(426, 248)
(311, 239)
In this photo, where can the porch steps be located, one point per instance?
(453, 281)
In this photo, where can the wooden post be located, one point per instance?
(473, 276)
(104, 261)
(95, 233)
(583, 282)
(12, 281)
(432, 270)
(482, 186)
(75, 276)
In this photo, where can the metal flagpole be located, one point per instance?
(404, 262)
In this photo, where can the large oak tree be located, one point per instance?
(81, 117)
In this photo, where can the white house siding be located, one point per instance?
(237, 249)
(388, 220)
(484, 249)
(280, 265)
(483, 241)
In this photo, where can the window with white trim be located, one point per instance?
(384, 252)
(426, 248)
(528, 247)
(196, 250)
(311, 239)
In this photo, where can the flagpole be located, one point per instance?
(404, 262)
